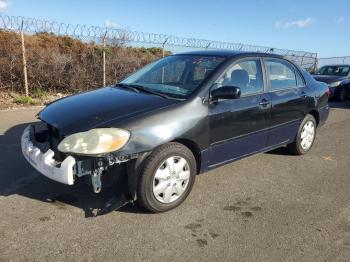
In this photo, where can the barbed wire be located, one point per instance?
(97, 34)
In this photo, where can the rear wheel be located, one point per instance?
(305, 137)
(166, 178)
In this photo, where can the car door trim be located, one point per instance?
(265, 149)
(254, 133)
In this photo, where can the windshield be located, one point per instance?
(334, 70)
(175, 76)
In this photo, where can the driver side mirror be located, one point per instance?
(226, 92)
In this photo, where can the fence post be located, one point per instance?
(163, 54)
(104, 59)
(316, 63)
(163, 45)
(302, 60)
(24, 59)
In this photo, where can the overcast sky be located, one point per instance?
(316, 26)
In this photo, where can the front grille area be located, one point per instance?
(48, 137)
(54, 138)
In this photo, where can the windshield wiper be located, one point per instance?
(130, 87)
(140, 88)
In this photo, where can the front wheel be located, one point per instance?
(305, 137)
(166, 178)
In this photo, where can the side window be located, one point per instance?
(281, 75)
(246, 74)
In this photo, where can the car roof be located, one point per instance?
(228, 53)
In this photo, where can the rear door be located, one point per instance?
(288, 95)
(238, 127)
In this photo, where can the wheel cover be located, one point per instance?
(307, 135)
(171, 179)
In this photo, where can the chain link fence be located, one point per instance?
(65, 57)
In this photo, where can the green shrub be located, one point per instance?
(25, 100)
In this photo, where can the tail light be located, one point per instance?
(328, 91)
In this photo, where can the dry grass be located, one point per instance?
(63, 64)
(11, 100)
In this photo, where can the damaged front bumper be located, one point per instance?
(45, 163)
(63, 168)
(68, 169)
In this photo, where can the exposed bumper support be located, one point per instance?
(45, 162)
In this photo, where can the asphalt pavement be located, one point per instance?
(268, 207)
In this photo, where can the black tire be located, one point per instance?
(145, 195)
(295, 148)
(341, 94)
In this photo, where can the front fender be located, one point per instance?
(186, 120)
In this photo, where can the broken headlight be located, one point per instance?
(95, 141)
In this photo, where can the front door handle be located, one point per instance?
(264, 102)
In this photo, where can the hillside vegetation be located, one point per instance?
(63, 64)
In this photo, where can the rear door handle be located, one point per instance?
(264, 102)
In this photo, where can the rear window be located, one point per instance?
(281, 75)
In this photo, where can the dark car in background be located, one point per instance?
(338, 79)
(175, 118)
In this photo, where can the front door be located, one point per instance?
(238, 127)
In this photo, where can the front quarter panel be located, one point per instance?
(185, 120)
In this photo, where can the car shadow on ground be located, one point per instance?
(282, 151)
(17, 177)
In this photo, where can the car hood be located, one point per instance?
(99, 108)
(328, 78)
